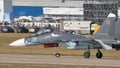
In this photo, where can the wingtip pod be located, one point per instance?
(111, 15)
(19, 42)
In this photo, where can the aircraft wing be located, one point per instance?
(87, 43)
(74, 39)
(103, 45)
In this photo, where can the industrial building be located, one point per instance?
(80, 9)
(65, 8)
(48, 8)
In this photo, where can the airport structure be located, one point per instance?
(97, 11)
(5, 10)
(75, 9)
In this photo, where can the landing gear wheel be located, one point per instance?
(99, 55)
(57, 54)
(87, 54)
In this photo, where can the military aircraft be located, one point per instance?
(106, 38)
(48, 37)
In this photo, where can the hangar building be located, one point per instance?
(56, 8)
(60, 8)
(47, 7)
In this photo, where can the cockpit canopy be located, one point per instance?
(43, 31)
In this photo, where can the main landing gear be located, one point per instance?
(99, 54)
(87, 54)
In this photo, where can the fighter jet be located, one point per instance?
(49, 38)
(106, 38)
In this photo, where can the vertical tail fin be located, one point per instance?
(117, 30)
(107, 28)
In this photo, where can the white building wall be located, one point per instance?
(63, 11)
(8, 6)
(1, 10)
(67, 3)
(51, 3)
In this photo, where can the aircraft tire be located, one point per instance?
(57, 55)
(87, 54)
(99, 55)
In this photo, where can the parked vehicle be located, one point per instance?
(7, 29)
(34, 29)
(77, 27)
(22, 30)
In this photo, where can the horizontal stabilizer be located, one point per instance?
(104, 46)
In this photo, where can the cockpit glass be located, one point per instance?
(44, 31)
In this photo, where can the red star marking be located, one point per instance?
(108, 22)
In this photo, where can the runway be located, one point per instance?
(63, 60)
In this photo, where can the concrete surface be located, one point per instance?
(63, 60)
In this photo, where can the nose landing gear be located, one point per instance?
(57, 55)
(56, 52)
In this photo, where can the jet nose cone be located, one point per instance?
(19, 42)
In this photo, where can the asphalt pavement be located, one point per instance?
(63, 60)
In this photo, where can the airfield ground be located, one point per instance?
(6, 38)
